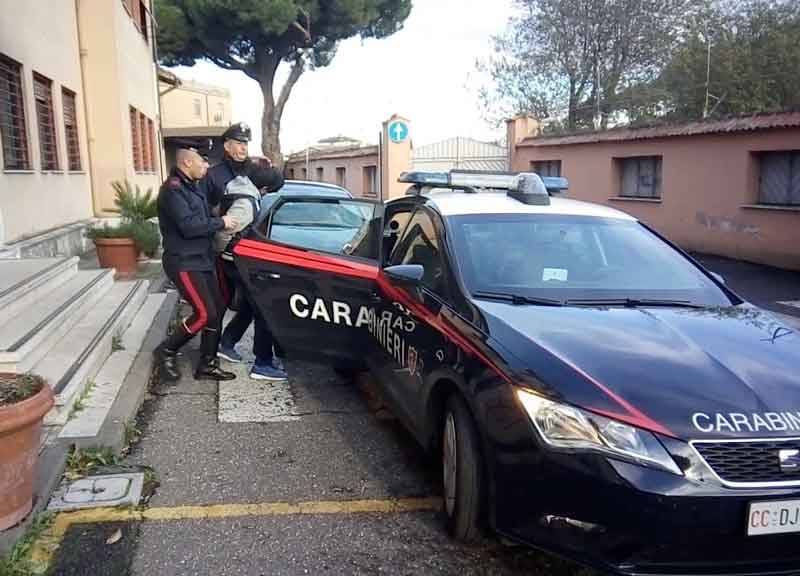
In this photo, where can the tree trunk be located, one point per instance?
(273, 111)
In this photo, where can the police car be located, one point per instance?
(591, 389)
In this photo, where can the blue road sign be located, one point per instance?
(398, 131)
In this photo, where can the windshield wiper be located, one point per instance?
(517, 299)
(634, 302)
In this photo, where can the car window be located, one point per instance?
(420, 245)
(575, 257)
(330, 225)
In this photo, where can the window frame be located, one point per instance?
(49, 160)
(71, 131)
(549, 163)
(369, 184)
(402, 246)
(17, 130)
(658, 172)
(791, 194)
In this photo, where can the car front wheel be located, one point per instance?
(462, 468)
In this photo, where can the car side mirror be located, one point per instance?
(407, 275)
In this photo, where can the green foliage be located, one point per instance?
(81, 462)
(17, 561)
(18, 387)
(133, 206)
(643, 61)
(136, 210)
(146, 236)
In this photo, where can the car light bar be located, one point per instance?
(527, 187)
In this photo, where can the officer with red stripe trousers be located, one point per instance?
(188, 229)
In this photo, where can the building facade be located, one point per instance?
(78, 111)
(724, 187)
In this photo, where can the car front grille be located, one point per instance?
(748, 462)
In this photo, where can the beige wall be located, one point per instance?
(709, 187)
(118, 72)
(353, 167)
(179, 105)
(42, 37)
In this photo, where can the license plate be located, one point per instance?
(780, 517)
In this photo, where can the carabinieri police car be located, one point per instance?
(592, 390)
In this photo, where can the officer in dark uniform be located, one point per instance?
(188, 229)
(235, 163)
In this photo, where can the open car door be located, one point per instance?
(311, 265)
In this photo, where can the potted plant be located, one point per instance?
(116, 247)
(24, 400)
(119, 246)
(141, 211)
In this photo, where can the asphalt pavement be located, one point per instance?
(305, 478)
(329, 454)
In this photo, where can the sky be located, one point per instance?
(425, 72)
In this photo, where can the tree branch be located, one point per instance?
(297, 70)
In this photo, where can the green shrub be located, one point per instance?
(132, 205)
(146, 236)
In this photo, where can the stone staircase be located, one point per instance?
(69, 325)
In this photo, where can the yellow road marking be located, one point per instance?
(46, 546)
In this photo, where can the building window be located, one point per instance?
(136, 146)
(320, 174)
(305, 174)
(143, 19)
(13, 132)
(779, 178)
(198, 108)
(43, 95)
(640, 177)
(71, 130)
(145, 140)
(291, 173)
(219, 115)
(340, 176)
(151, 134)
(370, 181)
(547, 167)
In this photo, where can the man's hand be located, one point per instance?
(230, 222)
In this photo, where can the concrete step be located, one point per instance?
(25, 337)
(24, 282)
(84, 428)
(74, 360)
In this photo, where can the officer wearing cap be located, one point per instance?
(188, 229)
(235, 163)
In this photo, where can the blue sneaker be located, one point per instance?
(229, 354)
(277, 363)
(268, 373)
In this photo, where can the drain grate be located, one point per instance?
(98, 491)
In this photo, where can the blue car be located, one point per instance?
(590, 389)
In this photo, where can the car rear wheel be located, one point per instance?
(462, 471)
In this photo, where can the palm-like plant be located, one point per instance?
(132, 205)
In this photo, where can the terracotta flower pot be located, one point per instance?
(119, 253)
(20, 431)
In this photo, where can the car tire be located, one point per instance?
(462, 467)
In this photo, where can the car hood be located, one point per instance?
(689, 373)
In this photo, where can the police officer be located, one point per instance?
(235, 163)
(188, 229)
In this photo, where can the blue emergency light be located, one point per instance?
(527, 187)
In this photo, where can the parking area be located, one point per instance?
(307, 477)
(320, 480)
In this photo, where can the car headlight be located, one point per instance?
(568, 427)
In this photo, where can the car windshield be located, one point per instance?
(575, 258)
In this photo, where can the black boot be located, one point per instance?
(167, 354)
(209, 369)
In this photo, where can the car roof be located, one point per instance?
(313, 187)
(453, 203)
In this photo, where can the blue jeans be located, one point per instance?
(248, 312)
